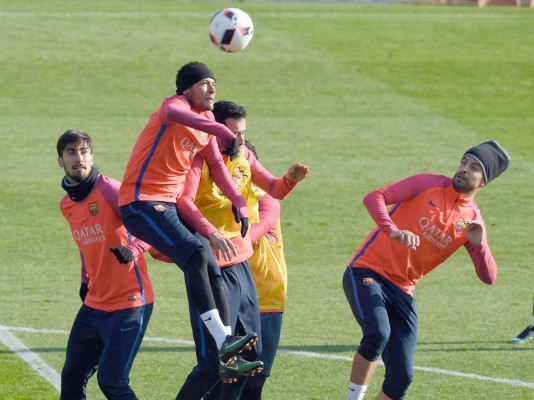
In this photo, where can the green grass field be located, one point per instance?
(363, 94)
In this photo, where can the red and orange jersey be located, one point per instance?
(96, 226)
(202, 194)
(428, 206)
(162, 155)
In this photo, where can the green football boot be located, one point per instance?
(230, 372)
(234, 345)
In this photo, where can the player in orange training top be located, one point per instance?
(180, 128)
(117, 299)
(430, 218)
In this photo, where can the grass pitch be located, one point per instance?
(363, 94)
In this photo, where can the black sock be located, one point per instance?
(197, 281)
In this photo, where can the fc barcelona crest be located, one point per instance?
(93, 208)
(460, 225)
(367, 282)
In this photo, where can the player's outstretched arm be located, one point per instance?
(173, 112)
(278, 188)
(297, 172)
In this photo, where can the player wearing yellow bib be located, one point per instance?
(206, 209)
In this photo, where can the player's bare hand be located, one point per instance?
(406, 238)
(474, 231)
(222, 246)
(297, 172)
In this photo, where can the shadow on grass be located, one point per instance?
(442, 346)
(36, 350)
(156, 349)
(422, 347)
(321, 348)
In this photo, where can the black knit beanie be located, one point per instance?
(492, 157)
(190, 74)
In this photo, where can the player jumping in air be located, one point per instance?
(179, 129)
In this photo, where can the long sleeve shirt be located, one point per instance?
(428, 206)
(207, 210)
(162, 156)
(96, 226)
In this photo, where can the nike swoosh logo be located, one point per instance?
(126, 329)
(352, 389)
(432, 204)
(207, 319)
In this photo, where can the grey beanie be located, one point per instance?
(492, 157)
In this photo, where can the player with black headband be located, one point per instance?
(180, 128)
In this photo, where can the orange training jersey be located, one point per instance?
(428, 206)
(162, 155)
(96, 227)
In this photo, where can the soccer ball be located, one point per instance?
(231, 29)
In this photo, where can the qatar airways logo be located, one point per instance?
(434, 234)
(190, 148)
(89, 234)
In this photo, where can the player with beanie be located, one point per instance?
(431, 216)
(180, 128)
(492, 158)
(190, 74)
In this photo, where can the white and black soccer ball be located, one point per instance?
(231, 29)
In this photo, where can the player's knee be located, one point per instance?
(198, 259)
(396, 385)
(73, 378)
(373, 343)
(113, 388)
(67, 372)
(70, 381)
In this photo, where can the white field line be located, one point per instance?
(51, 376)
(511, 382)
(32, 359)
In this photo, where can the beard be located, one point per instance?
(463, 185)
(79, 175)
